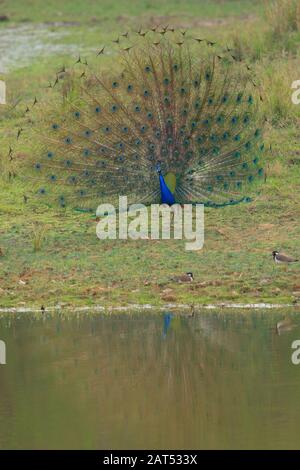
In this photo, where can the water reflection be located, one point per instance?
(149, 381)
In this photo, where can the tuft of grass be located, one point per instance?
(283, 16)
(276, 78)
(39, 235)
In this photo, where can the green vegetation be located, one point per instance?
(49, 257)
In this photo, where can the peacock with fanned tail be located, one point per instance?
(177, 123)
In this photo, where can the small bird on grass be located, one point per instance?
(281, 258)
(187, 277)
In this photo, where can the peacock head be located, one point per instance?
(275, 253)
(190, 275)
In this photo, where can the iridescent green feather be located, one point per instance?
(181, 106)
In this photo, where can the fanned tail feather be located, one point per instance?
(174, 105)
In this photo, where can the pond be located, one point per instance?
(22, 44)
(215, 380)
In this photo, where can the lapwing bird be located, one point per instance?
(187, 277)
(284, 325)
(280, 258)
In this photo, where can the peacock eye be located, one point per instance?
(166, 81)
(248, 145)
(257, 133)
(129, 88)
(210, 100)
(175, 67)
(53, 178)
(137, 109)
(37, 166)
(239, 98)
(97, 110)
(149, 115)
(237, 154)
(250, 99)
(55, 126)
(146, 93)
(245, 166)
(250, 178)
(86, 152)
(260, 172)
(147, 68)
(50, 154)
(68, 140)
(114, 108)
(77, 114)
(68, 163)
(42, 191)
(237, 137)
(115, 84)
(225, 99)
(125, 130)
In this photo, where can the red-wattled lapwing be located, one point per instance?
(187, 277)
(283, 259)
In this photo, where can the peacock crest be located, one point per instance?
(176, 120)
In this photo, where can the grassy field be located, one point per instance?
(48, 257)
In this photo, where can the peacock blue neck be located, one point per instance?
(167, 197)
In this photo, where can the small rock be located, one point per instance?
(169, 298)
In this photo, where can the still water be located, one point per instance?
(212, 380)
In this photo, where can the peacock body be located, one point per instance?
(177, 122)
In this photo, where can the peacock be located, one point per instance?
(175, 120)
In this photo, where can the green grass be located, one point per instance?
(49, 257)
(103, 10)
